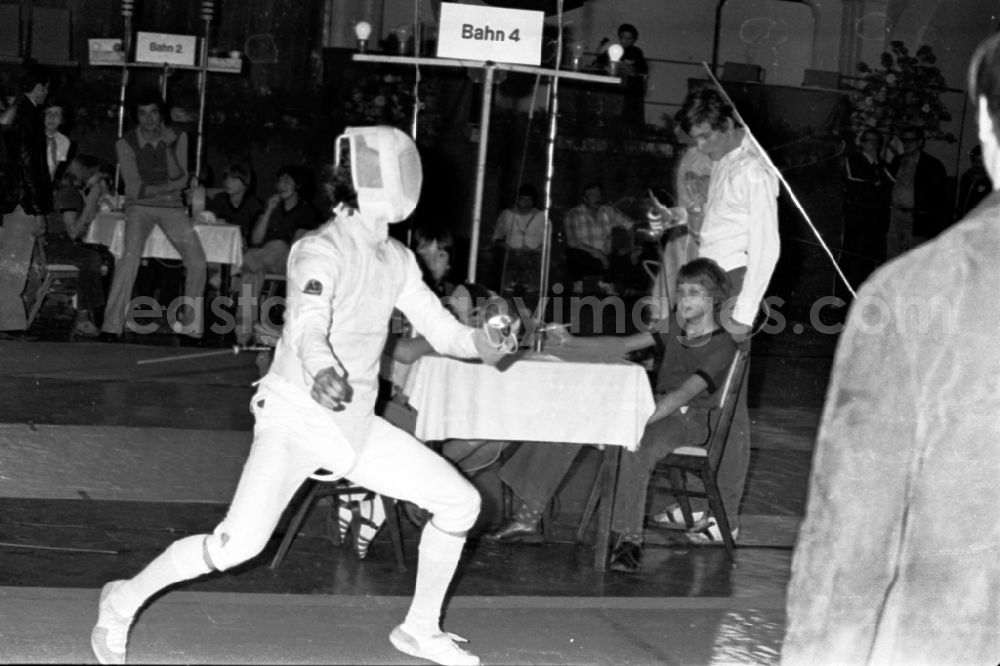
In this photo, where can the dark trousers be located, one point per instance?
(732, 473)
(658, 440)
(581, 265)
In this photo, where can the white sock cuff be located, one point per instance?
(440, 545)
(188, 554)
(181, 560)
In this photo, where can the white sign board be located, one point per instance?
(162, 48)
(476, 32)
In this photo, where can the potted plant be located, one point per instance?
(904, 91)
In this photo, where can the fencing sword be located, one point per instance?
(235, 350)
(781, 177)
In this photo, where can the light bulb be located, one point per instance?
(403, 32)
(615, 52)
(578, 49)
(362, 29)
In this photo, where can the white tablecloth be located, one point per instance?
(538, 398)
(223, 243)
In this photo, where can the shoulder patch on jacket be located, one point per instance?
(313, 288)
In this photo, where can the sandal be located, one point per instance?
(359, 520)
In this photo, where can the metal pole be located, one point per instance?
(417, 39)
(206, 15)
(543, 286)
(164, 76)
(484, 136)
(126, 51)
(717, 36)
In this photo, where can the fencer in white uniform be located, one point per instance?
(315, 407)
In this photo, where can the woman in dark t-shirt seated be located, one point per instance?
(237, 204)
(288, 216)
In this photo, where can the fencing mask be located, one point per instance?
(385, 170)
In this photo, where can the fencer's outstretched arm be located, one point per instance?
(432, 320)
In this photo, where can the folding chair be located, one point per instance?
(703, 461)
(319, 486)
(55, 274)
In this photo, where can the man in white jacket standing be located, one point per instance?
(315, 407)
(740, 233)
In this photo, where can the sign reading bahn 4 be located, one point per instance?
(475, 32)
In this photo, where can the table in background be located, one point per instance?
(223, 243)
(537, 398)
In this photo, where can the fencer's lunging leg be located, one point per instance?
(274, 469)
(439, 554)
(395, 464)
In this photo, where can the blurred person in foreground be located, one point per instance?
(897, 559)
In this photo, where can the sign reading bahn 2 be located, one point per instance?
(162, 48)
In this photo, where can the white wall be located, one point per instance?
(777, 35)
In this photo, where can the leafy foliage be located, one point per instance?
(385, 96)
(904, 91)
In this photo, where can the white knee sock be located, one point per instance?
(439, 553)
(182, 560)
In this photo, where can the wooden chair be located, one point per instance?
(55, 275)
(703, 461)
(652, 268)
(318, 486)
(273, 283)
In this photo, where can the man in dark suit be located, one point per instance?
(867, 189)
(919, 195)
(27, 195)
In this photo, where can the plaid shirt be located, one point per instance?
(585, 230)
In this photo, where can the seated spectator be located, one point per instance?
(237, 204)
(696, 353)
(77, 201)
(153, 162)
(288, 215)
(469, 303)
(520, 233)
(588, 229)
(435, 248)
(59, 149)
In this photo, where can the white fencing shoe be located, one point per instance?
(673, 517)
(440, 648)
(109, 639)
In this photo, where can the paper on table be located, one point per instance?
(540, 356)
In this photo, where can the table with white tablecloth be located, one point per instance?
(223, 243)
(539, 398)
